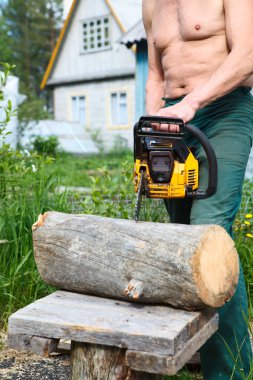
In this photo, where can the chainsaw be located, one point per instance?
(164, 166)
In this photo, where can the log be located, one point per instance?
(190, 267)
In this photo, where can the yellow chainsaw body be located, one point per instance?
(185, 175)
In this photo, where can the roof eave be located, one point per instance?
(58, 45)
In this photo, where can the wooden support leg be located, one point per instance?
(93, 362)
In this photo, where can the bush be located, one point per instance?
(46, 145)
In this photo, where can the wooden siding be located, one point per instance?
(98, 106)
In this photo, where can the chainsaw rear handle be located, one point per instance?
(147, 121)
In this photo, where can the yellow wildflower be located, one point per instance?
(247, 223)
(249, 236)
(248, 216)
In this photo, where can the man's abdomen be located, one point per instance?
(190, 64)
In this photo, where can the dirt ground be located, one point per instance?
(16, 365)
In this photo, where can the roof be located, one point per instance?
(134, 35)
(120, 10)
(119, 74)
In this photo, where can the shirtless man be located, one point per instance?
(200, 55)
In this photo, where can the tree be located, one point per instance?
(29, 29)
(6, 54)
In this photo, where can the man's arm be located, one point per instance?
(155, 81)
(236, 68)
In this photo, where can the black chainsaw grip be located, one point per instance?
(212, 163)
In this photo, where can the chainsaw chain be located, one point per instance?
(140, 192)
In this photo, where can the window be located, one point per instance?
(78, 109)
(95, 34)
(119, 111)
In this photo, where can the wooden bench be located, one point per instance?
(112, 339)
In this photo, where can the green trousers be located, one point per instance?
(228, 124)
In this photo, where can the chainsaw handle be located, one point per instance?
(145, 121)
(212, 163)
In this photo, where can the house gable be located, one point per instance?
(69, 64)
(59, 43)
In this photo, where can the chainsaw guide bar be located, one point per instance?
(141, 191)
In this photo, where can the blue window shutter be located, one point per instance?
(141, 78)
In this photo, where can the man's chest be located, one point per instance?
(186, 20)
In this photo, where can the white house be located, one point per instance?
(11, 93)
(91, 74)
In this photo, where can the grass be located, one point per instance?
(27, 194)
(243, 229)
(185, 375)
(78, 170)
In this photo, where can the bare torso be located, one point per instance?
(190, 38)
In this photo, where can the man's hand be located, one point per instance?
(182, 110)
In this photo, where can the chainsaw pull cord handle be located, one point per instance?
(199, 135)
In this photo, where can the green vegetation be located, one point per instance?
(46, 145)
(28, 34)
(244, 238)
(27, 190)
(79, 171)
(184, 375)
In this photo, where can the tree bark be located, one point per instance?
(92, 362)
(181, 265)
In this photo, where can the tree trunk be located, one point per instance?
(92, 362)
(181, 265)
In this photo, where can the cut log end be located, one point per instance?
(216, 267)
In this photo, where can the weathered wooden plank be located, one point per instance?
(65, 315)
(64, 347)
(91, 362)
(38, 345)
(170, 365)
(185, 266)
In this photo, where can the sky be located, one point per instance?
(67, 5)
